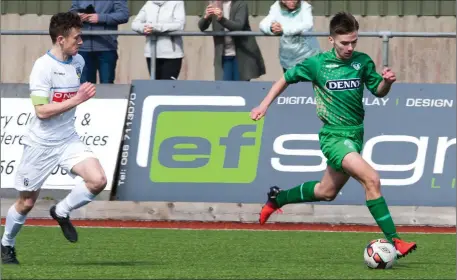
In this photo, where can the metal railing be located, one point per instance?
(385, 35)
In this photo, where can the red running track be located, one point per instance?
(235, 226)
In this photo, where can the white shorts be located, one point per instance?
(37, 163)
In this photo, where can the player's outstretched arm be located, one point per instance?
(277, 88)
(388, 79)
(46, 111)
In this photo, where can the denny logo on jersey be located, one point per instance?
(343, 84)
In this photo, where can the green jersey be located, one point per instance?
(338, 85)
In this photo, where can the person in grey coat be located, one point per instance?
(237, 57)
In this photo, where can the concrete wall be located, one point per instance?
(245, 213)
(416, 60)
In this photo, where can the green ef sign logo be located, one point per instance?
(205, 147)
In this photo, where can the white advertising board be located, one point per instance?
(99, 123)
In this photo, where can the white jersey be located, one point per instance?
(54, 81)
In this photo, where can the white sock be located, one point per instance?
(77, 198)
(14, 222)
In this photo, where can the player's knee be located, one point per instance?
(97, 183)
(373, 183)
(25, 205)
(102, 182)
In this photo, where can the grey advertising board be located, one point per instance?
(193, 141)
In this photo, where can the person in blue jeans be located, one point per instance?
(100, 52)
(230, 67)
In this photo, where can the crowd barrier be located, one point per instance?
(386, 36)
(193, 141)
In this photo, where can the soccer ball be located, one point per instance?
(380, 254)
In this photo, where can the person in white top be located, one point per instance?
(51, 139)
(290, 18)
(162, 16)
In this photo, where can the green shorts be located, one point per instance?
(338, 141)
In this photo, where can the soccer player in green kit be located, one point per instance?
(338, 78)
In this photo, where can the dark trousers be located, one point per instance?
(104, 62)
(165, 68)
(230, 68)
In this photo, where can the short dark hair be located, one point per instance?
(62, 23)
(343, 23)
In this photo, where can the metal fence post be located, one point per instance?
(152, 45)
(385, 47)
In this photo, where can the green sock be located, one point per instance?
(380, 212)
(300, 193)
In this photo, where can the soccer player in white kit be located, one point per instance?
(51, 139)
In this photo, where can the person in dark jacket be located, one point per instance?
(100, 52)
(237, 57)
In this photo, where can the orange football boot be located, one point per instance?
(270, 206)
(403, 247)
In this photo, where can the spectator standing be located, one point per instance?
(162, 16)
(290, 18)
(100, 52)
(238, 57)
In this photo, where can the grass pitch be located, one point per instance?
(113, 253)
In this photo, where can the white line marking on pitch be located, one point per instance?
(235, 229)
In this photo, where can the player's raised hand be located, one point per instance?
(86, 91)
(258, 112)
(388, 75)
